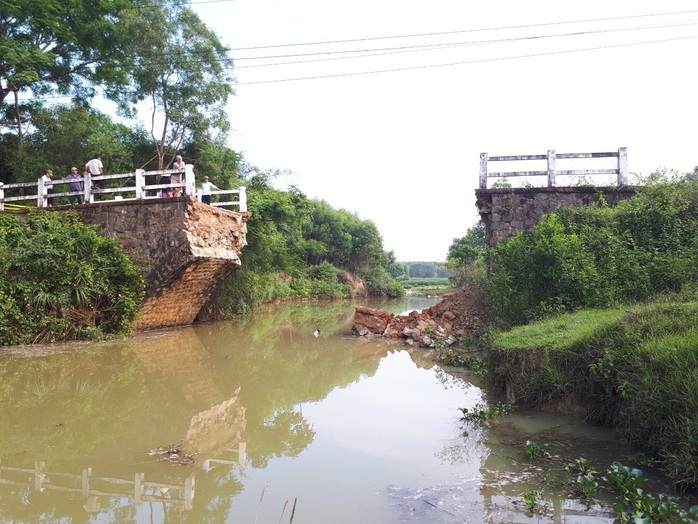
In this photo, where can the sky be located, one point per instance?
(382, 107)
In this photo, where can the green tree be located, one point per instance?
(66, 136)
(64, 46)
(181, 70)
(466, 258)
(466, 250)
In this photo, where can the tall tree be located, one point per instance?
(61, 46)
(182, 72)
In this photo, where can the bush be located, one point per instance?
(60, 280)
(598, 256)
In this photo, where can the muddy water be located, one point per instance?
(272, 424)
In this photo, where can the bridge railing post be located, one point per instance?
(551, 168)
(87, 188)
(243, 199)
(41, 200)
(2, 197)
(483, 170)
(189, 180)
(622, 166)
(89, 194)
(140, 184)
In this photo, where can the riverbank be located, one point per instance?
(633, 369)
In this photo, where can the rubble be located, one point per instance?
(459, 314)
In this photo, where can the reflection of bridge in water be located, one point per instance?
(214, 437)
(91, 487)
(138, 488)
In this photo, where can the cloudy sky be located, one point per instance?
(382, 107)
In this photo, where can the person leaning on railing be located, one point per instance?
(95, 167)
(206, 188)
(176, 178)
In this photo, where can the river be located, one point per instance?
(261, 421)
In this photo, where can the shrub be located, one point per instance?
(60, 280)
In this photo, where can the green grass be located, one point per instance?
(558, 333)
(635, 370)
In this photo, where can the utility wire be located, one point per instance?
(428, 66)
(442, 33)
(495, 59)
(501, 28)
(379, 51)
(428, 47)
(401, 49)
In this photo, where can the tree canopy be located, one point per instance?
(182, 70)
(62, 46)
(129, 51)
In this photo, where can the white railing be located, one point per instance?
(621, 169)
(133, 187)
(241, 201)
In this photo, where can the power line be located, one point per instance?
(502, 28)
(495, 59)
(427, 47)
(431, 66)
(374, 52)
(379, 51)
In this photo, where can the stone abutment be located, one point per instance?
(508, 211)
(187, 248)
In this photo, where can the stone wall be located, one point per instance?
(187, 248)
(507, 211)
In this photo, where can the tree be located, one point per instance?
(182, 71)
(467, 249)
(66, 136)
(63, 46)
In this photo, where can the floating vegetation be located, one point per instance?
(481, 413)
(476, 365)
(633, 503)
(536, 451)
(533, 503)
(173, 455)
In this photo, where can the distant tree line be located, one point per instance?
(411, 270)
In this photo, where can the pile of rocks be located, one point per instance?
(458, 314)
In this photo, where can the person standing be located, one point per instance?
(75, 185)
(176, 178)
(95, 167)
(206, 188)
(48, 186)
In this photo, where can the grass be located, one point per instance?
(559, 333)
(635, 370)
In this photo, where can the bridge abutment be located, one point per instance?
(185, 247)
(508, 211)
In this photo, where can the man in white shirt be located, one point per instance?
(206, 188)
(95, 167)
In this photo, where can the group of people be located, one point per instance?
(95, 167)
(175, 178)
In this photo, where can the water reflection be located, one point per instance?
(277, 422)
